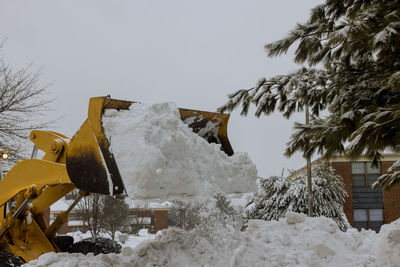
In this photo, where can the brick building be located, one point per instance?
(365, 207)
(152, 218)
(74, 223)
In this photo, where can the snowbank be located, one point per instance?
(293, 241)
(132, 240)
(160, 157)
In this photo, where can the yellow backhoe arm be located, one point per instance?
(33, 185)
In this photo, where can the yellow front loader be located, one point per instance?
(83, 162)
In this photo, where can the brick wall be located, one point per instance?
(160, 220)
(344, 170)
(391, 197)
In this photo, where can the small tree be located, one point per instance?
(224, 211)
(115, 214)
(185, 215)
(277, 195)
(91, 210)
(207, 214)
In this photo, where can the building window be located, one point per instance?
(368, 219)
(363, 174)
(367, 202)
(75, 216)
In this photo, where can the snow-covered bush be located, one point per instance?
(210, 220)
(205, 214)
(184, 215)
(277, 195)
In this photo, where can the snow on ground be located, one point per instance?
(160, 157)
(296, 240)
(132, 241)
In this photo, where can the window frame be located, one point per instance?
(365, 163)
(365, 173)
(369, 221)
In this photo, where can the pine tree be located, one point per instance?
(277, 195)
(350, 49)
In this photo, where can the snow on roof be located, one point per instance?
(163, 205)
(147, 205)
(75, 223)
(237, 200)
(60, 205)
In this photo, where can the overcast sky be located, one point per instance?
(190, 52)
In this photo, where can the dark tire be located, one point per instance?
(7, 259)
(96, 245)
(63, 242)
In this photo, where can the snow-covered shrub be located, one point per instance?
(184, 215)
(221, 210)
(205, 214)
(277, 195)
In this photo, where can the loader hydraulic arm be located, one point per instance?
(34, 185)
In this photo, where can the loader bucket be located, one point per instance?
(211, 126)
(91, 165)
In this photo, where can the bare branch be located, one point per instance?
(23, 101)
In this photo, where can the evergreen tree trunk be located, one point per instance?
(309, 182)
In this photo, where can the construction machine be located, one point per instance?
(83, 162)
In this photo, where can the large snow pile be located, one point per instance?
(160, 157)
(296, 240)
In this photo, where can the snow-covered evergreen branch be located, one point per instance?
(355, 43)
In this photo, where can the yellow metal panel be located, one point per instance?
(27, 241)
(85, 164)
(50, 195)
(32, 172)
(90, 164)
(53, 144)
